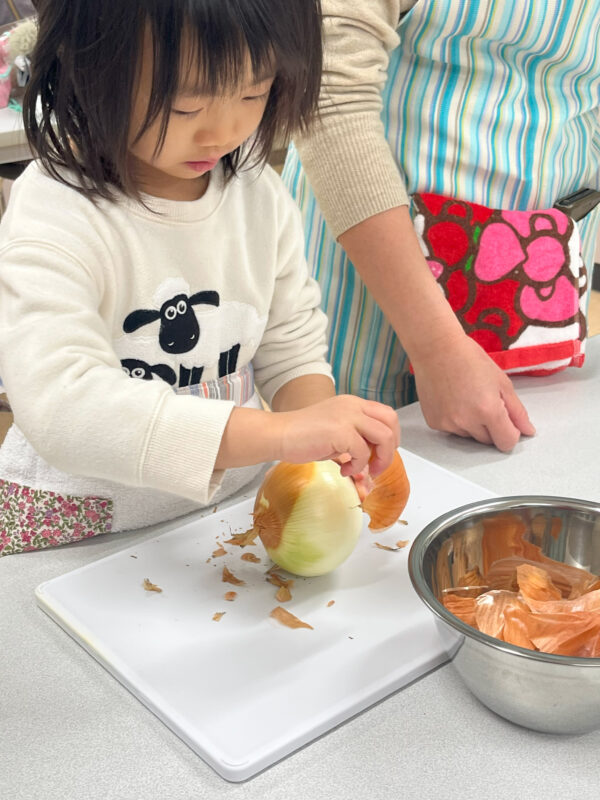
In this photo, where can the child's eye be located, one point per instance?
(180, 113)
(262, 96)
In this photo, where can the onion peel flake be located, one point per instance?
(387, 547)
(150, 587)
(283, 594)
(277, 580)
(243, 539)
(229, 577)
(288, 619)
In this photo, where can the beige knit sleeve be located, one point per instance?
(346, 156)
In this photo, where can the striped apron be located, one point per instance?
(491, 102)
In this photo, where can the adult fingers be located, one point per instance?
(518, 413)
(480, 433)
(503, 432)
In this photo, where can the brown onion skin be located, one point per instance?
(388, 498)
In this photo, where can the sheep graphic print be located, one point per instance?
(188, 337)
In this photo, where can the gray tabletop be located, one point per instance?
(68, 730)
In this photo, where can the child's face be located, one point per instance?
(201, 130)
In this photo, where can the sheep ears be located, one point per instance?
(165, 372)
(138, 318)
(206, 298)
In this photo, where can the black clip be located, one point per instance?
(578, 204)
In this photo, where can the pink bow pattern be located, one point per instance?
(515, 279)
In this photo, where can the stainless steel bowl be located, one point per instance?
(550, 693)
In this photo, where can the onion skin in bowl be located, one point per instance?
(309, 516)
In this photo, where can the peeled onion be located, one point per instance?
(309, 516)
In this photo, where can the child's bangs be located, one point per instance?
(202, 48)
(207, 49)
(218, 59)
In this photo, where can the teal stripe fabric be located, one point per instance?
(515, 85)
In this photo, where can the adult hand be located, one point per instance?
(462, 391)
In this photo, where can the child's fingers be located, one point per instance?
(382, 451)
(382, 441)
(361, 451)
(379, 463)
(351, 468)
(386, 415)
(363, 483)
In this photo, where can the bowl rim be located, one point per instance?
(429, 533)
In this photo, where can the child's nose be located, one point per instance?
(220, 133)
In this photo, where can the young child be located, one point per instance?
(151, 272)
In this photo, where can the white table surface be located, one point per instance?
(13, 142)
(69, 731)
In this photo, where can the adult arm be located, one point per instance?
(363, 197)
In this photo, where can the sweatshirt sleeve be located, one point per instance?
(71, 398)
(294, 343)
(345, 155)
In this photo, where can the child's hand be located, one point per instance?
(363, 482)
(342, 426)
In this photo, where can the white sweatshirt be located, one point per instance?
(94, 294)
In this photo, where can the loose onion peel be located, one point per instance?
(309, 516)
(388, 497)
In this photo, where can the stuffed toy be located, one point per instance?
(16, 45)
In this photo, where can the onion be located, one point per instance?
(309, 516)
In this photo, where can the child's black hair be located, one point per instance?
(78, 101)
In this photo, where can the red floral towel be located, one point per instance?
(515, 280)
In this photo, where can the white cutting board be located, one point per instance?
(246, 691)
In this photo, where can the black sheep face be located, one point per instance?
(136, 369)
(146, 372)
(179, 329)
